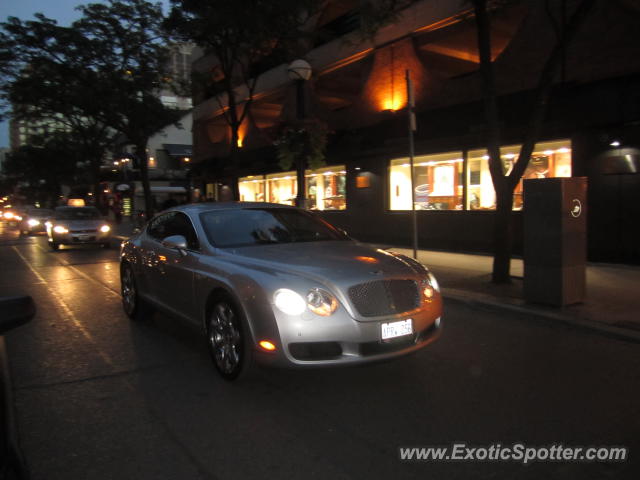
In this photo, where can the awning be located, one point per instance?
(178, 150)
(164, 189)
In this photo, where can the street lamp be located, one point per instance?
(300, 71)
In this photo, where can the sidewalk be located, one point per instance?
(611, 307)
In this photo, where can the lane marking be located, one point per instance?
(62, 263)
(67, 313)
(124, 376)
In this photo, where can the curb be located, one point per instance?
(519, 306)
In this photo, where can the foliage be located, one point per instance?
(99, 78)
(241, 35)
(308, 141)
(40, 171)
(49, 78)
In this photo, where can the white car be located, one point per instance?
(78, 225)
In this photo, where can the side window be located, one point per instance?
(173, 223)
(159, 227)
(181, 225)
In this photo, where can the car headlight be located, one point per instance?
(289, 302)
(105, 228)
(321, 302)
(430, 287)
(60, 229)
(8, 215)
(32, 222)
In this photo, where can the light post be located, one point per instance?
(300, 71)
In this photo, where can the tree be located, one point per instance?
(100, 77)
(132, 57)
(49, 79)
(44, 169)
(246, 37)
(505, 185)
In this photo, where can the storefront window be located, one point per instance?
(480, 193)
(282, 188)
(549, 159)
(438, 182)
(326, 188)
(252, 189)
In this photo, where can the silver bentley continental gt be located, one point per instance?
(279, 286)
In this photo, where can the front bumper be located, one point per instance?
(72, 238)
(342, 340)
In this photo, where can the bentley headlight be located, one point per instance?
(321, 302)
(289, 302)
(60, 229)
(105, 228)
(430, 287)
(33, 222)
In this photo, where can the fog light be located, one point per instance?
(267, 345)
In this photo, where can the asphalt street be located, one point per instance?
(98, 396)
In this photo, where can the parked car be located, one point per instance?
(278, 285)
(77, 225)
(33, 221)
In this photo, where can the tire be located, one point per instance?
(227, 340)
(135, 308)
(54, 246)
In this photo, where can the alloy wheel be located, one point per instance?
(128, 287)
(225, 339)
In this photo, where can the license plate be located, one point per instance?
(397, 329)
(83, 238)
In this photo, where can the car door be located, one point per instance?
(172, 275)
(155, 231)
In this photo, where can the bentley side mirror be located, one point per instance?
(176, 242)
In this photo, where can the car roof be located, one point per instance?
(196, 208)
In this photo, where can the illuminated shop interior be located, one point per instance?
(325, 188)
(440, 180)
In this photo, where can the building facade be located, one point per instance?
(358, 91)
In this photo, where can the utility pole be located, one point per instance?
(412, 127)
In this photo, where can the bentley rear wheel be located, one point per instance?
(133, 305)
